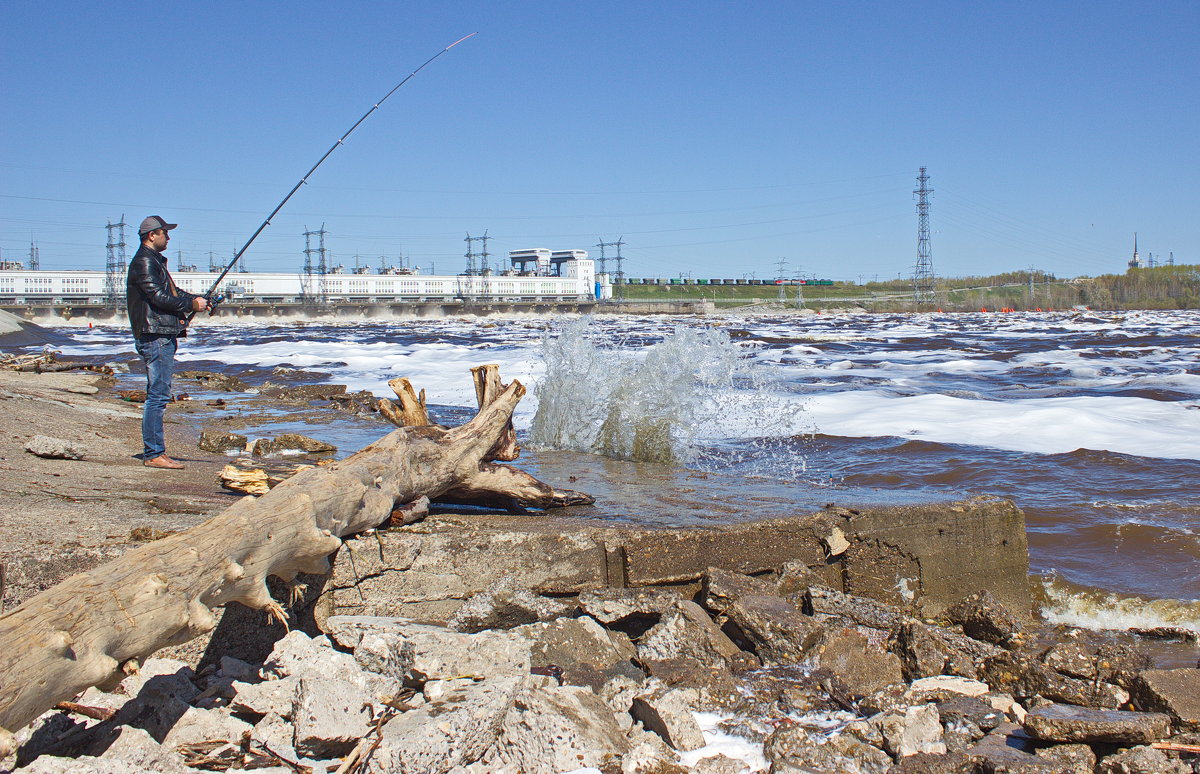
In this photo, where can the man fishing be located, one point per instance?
(157, 312)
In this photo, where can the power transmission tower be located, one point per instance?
(619, 277)
(472, 255)
(35, 260)
(781, 276)
(114, 291)
(308, 293)
(923, 273)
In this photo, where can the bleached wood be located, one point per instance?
(411, 411)
(487, 387)
(92, 628)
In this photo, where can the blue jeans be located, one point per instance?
(158, 352)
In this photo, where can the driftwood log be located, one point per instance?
(94, 628)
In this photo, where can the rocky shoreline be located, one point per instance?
(814, 664)
(620, 680)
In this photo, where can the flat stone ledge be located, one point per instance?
(1068, 723)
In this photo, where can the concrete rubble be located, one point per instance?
(543, 671)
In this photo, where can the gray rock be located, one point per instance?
(713, 685)
(859, 667)
(298, 654)
(1002, 753)
(197, 725)
(331, 715)
(161, 677)
(553, 728)
(437, 652)
(960, 735)
(925, 651)
(211, 380)
(269, 697)
(796, 578)
(136, 746)
(1073, 758)
(1173, 691)
(1024, 676)
(1142, 760)
(686, 630)
(769, 625)
(56, 448)
(84, 765)
(504, 605)
(455, 730)
(389, 656)
(609, 605)
(237, 669)
(720, 764)
(912, 730)
(1066, 723)
(291, 442)
(970, 708)
(722, 588)
(584, 651)
(793, 749)
(218, 443)
(667, 713)
(928, 763)
(985, 618)
(945, 686)
(276, 735)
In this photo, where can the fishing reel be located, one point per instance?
(214, 302)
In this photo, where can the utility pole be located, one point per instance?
(114, 291)
(923, 273)
(35, 261)
(619, 277)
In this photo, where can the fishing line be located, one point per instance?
(212, 290)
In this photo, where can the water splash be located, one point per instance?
(649, 404)
(1089, 608)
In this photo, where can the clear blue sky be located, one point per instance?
(716, 138)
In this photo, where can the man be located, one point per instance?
(157, 309)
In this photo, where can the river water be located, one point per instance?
(1090, 422)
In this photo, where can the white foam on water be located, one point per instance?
(717, 742)
(1095, 609)
(1134, 426)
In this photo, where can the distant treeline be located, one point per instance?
(1162, 287)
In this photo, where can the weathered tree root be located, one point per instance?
(94, 627)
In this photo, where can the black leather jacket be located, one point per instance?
(155, 305)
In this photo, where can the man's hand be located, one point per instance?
(199, 304)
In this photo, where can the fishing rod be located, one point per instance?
(212, 296)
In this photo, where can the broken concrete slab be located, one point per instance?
(504, 605)
(553, 728)
(456, 729)
(1067, 723)
(986, 618)
(860, 668)
(667, 713)
(437, 652)
(912, 730)
(1173, 691)
(919, 556)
